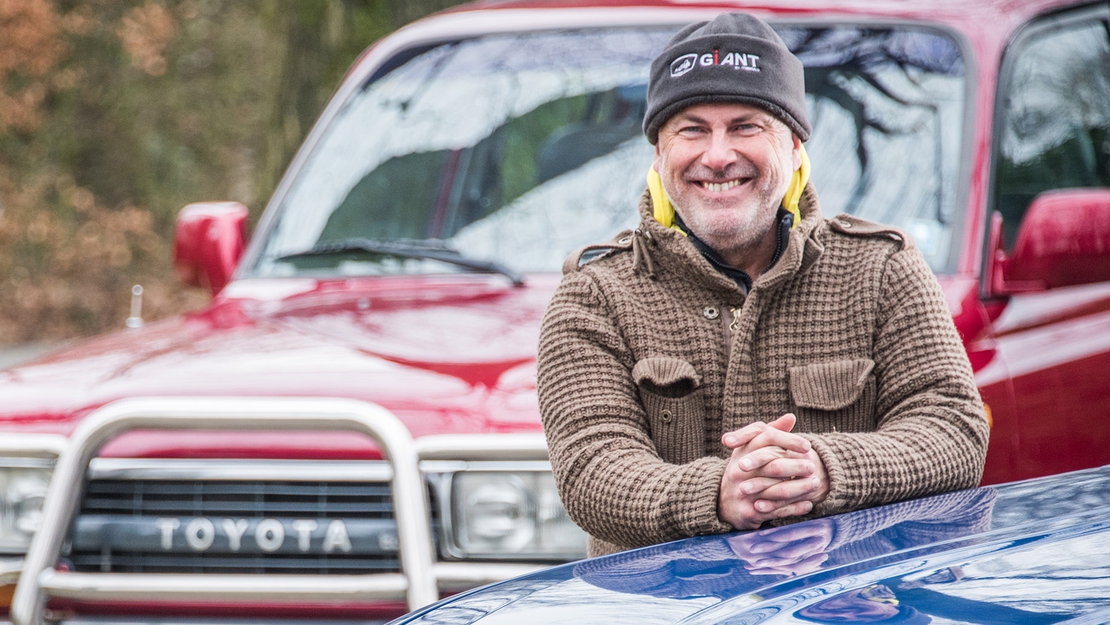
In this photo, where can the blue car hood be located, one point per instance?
(1030, 552)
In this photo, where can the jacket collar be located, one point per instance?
(783, 221)
(677, 253)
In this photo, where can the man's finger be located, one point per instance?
(777, 509)
(746, 514)
(743, 436)
(757, 485)
(755, 460)
(784, 423)
(770, 510)
(770, 436)
(787, 490)
(774, 462)
(794, 509)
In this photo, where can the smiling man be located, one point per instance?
(738, 359)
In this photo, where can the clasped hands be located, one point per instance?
(771, 474)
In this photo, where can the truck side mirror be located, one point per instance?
(1064, 240)
(208, 241)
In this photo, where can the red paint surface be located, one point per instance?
(456, 354)
(1064, 240)
(446, 354)
(208, 241)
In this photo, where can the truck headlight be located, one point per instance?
(510, 515)
(23, 485)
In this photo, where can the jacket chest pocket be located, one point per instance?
(836, 396)
(672, 395)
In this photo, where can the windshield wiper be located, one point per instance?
(406, 249)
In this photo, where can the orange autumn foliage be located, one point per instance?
(114, 114)
(30, 47)
(145, 31)
(68, 260)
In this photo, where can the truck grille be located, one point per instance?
(209, 498)
(136, 525)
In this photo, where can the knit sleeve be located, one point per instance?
(932, 430)
(610, 477)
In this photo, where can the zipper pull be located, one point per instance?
(735, 323)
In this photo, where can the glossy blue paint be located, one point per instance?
(1029, 552)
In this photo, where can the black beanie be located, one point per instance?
(734, 58)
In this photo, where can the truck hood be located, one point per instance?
(445, 354)
(1028, 552)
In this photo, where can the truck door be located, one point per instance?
(1052, 133)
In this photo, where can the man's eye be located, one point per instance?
(691, 130)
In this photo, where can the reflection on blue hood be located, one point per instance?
(712, 567)
(1033, 552)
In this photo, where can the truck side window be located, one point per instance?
(1054, 124)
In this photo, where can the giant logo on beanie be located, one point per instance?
(738, 60)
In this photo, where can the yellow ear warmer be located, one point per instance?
(797, 185)
(664, 212)
(661, 205)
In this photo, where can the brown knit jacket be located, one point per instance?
(648, 355)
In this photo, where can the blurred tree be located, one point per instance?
(322, 39)
(116, 113)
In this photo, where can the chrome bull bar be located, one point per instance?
(19, 446)
(417, 583)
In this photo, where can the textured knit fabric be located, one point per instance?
(648, 355)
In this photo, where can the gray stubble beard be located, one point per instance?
(747, 237)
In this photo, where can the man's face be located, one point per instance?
(726, 168)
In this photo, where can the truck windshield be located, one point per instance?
(514, 150)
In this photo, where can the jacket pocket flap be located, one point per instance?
(666, 376)
(829, 385)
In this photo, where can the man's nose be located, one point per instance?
(720, 153)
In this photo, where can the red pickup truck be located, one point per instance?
(350, 429)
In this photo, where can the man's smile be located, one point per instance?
(720, 187)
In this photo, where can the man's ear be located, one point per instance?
(796, 152)
(658, 164)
